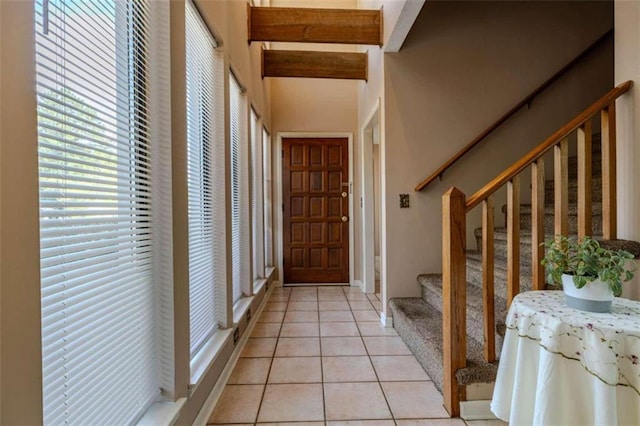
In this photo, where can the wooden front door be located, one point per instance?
(315, 185)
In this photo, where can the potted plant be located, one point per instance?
(590, 274)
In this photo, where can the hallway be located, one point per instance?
(319, 354)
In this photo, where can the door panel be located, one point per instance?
(315, 174)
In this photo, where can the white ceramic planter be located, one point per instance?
(595, 296)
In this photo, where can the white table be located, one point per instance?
(561, 366)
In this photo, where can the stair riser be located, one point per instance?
(596, 166)
(549, 226)
(500, 247)
(596, 191)
(421, 329)
(474, 276)
(424, 353)
(500, 251)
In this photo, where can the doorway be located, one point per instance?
(372, 212)
(315, 210)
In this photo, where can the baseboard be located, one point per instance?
(386, 321)
(476, 410)
(479, 391)
(357, 283)
(213, 398)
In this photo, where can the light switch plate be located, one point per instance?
(404, 201)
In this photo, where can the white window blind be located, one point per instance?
(105, 221)
(257, 210)
(268, 208)
(240, 191)
(205, 170)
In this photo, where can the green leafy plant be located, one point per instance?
(587, 261)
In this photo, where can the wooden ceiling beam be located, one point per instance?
(309, 25)
(295, 63)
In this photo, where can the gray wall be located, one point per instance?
(462, 66)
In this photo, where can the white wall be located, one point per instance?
(627, 67)
(20, 355)
(462, 66)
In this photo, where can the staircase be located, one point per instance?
(457, 327)
(419, 320)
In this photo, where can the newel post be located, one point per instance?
(454, 296)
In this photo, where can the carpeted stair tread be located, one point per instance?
(420, 326)
(432, 294)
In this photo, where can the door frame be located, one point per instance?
(279, 196)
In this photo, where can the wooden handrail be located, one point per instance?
(526, 101)
(549, 143)
(455, 209)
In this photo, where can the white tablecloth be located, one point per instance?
(561, 366)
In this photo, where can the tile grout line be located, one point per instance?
(324, 402)
(384, 395)
(273, 354)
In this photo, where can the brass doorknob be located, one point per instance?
(344, 195)
(345, 218)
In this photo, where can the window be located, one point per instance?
(256, 198)
(239, 191)
(205, 177)
(268, 208)
(105, 220)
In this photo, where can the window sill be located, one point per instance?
(240, 308)
(162, 413)
(258, 285)
(201, 363)
(269, 271)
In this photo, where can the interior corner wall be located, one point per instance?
(627, 67)
(463, 65)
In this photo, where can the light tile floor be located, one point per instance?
(319, 356)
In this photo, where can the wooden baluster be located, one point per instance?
(454, 296)
(487, 280)
(561, 188)
(609, 207)
(584, 179)
(537, 224)
(513, 238)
